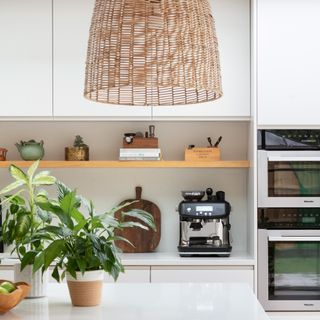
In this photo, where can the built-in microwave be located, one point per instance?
(289, 168)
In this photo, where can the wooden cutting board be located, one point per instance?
(143, 240)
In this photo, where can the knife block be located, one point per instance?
(202, 154)
(141, 143)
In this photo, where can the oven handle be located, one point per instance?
(284, 158)
(275, 239)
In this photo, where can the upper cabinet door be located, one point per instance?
(233, 31)
(72, 19)
(25, 58)
(288, 62)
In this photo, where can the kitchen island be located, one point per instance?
(169, 301)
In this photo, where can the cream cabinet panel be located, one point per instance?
(72, 20)
(6, 274)
(203, 274)
(25, 58)
(233, 31)
(288, 62)
(132, 275)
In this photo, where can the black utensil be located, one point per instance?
(210, 142)
(151, 131)
(217, 142)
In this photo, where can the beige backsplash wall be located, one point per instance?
(107, 187)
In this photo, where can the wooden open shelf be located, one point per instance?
(131, 164)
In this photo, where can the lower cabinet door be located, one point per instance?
(203, 274)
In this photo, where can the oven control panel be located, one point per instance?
(289, 139)
(289, 218)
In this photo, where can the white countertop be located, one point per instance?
(169, 259)
(154, 301)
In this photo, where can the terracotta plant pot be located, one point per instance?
(9, 301)
(85, 291)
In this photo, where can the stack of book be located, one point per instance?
(145, 154)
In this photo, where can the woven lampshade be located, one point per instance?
(152, 52)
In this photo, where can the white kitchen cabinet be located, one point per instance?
(72, 20)
(6, 274)
(203, 274)
(25, 58)
(132, 274)
(288, 64)
(233, 32)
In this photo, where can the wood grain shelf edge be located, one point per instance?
(132, 164)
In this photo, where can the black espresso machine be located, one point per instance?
(204, 224)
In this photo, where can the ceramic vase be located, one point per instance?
(37, 280)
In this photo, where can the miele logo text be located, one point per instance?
(308, 304)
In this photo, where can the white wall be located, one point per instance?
(107, 187)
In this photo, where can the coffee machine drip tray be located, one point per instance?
(223, 250)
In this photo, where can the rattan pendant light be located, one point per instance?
(152, 52)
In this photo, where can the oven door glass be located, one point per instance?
(294, 270)
(293, 178)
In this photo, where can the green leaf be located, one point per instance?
(72, 271)
(14, 208)
(63, 190)
(18, 174)
(43, 173)
(32, 169)
(12, 186)
(69, 202)
(40, 198)
(23, 224)
(43, 180)
(55, 274)
(119, 238)
(18, 200)
(38, 261)
(119, 207)
(59, 231)
(57, 211)
(53, 251)
(44, 215)
(82, 265)
(78, 216)
(142, 215)
(22, 250)
(131, 224)
(28, 259)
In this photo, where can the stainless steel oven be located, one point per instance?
(289, 259)
(288, 178)
(289, 168)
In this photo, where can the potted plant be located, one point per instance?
(82, 246)
(23, 218)
(79, 151)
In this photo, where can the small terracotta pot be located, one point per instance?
(86, 290)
